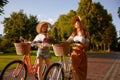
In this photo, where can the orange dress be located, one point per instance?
(79, 64)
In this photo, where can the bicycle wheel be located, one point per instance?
(15, 70)
(44, 69)
(54, 72)
(43, 72)
(68, 70)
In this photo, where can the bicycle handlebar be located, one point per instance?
(40, 43)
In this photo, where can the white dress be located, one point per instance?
(80, 39)
(42, 53)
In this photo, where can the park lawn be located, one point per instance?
(6, 58)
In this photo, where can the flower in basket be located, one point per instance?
(54, 41)
(22, 46)
(20, 39)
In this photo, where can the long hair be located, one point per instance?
(81, 28)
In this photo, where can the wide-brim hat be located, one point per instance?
(75, 18)
(40, 25)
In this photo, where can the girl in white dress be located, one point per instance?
(43, 49)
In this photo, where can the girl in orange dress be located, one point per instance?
(78, 55)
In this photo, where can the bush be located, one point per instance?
(5, 46)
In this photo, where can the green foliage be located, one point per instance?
(95, 18)
(96, 21)
(54, 41)
(18, 24)
(119, 12)
(62, 28)
(2, 4)
(4, 43)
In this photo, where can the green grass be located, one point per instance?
(8, 57)
(5, 59)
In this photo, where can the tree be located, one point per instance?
(62, 28)
(2, 4)
(19, 24)
(119, 12)
(110, 38)
(96, 21)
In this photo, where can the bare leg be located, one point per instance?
(47, 61)
(40, 68)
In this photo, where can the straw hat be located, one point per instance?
(40, 25)
(76, 18)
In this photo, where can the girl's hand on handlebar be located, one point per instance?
(43, 47)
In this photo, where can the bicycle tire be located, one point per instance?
(44, 69)
(43, 72)
(7, 73)
(52, 74)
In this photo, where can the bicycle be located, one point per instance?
(60, 70)
(19, 69)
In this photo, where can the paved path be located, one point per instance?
(101, 67)
(104, 68)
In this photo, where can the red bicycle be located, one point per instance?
(20, 69)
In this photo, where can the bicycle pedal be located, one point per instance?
(36, 76)
(48, 78)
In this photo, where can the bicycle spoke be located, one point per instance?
(11, 72)
(55, 72)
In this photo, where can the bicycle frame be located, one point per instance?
(27, 60)
(63, 66)
(19, 68)
(16, 72)
(30, 69)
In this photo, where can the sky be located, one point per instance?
(50, 10)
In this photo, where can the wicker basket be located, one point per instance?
(22, 48)
(61, 49)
